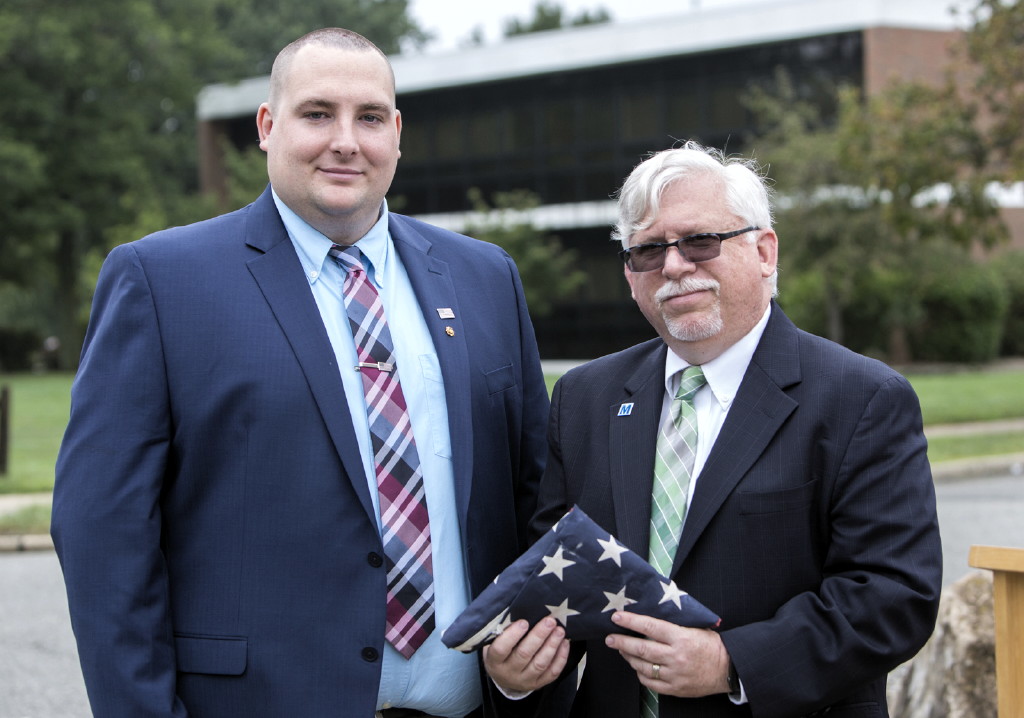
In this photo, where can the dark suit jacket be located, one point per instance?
(812, 531)
(211, 511)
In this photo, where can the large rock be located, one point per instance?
(954, 675)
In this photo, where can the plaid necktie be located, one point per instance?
(673, 465)
(403, 503)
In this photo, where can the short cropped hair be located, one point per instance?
(337, 37)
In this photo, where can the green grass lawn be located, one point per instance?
(945, 448)
(970, 395)
(40, 403)
(38, 415)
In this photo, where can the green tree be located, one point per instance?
(825, 223)
(97, 137)
(549, 15)
(862, 195)
(97, 116)
(548, 270)
(260, 28)
(918, 151)
(994, 54)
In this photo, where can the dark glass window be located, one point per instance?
(451, 135)
(574, 136)
(641, 116)
(485, 136)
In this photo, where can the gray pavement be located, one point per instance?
(39, 672)
(982, 511)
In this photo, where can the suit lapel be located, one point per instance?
(760, 408)
(631, 447)
(432, 283)
(279, 275)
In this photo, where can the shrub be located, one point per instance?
(802, 297)
(1010, 267)
(17, 347)
(965, 309)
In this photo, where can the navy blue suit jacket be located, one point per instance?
(812, 531)
(211, 512)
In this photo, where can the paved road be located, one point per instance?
(39, 675)
(983, 511)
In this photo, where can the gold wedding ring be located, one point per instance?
(656, 671)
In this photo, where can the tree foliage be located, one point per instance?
(994, 53)
(98, 115)
(895, 173)
(548, 270)
(919, 153)
(824, 220)
(897, 182)
(259, 28)
(549, 15)
(97, 137)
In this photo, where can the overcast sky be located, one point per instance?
(452, 21)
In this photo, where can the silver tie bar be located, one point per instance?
(378, 365)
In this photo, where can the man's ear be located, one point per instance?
(264, 123)
(398, 128)
(768, 251)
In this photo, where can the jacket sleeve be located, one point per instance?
(106, 520)
(533, 445)
(882, 571)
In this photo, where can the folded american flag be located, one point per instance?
(579, 574)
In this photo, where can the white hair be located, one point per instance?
(747, 194)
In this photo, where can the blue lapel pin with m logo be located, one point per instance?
(626, 409)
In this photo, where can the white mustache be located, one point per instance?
(685, 286)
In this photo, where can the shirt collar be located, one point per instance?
(725, 372)
(312, 246)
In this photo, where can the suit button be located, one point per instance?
(370, 654)
(374, 559)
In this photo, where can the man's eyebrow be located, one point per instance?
(376, 107)
(314, 103)
(321, 104)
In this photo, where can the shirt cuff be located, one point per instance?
(736, 700)
(511, 695)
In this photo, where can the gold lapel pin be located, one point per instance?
(449, 331)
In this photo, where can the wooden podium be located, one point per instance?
(1007, 566)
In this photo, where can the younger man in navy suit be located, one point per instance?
(226, 506)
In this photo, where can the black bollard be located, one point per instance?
(5, 434)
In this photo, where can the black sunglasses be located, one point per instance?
(694, 248)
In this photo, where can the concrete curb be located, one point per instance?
(25, 542)
(10, 503)
(961, 469)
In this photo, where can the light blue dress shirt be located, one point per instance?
(435, 679)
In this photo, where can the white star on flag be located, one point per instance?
(613, 550)
(562, 612)
(617, 601)
(672, 593)
(556, 564)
